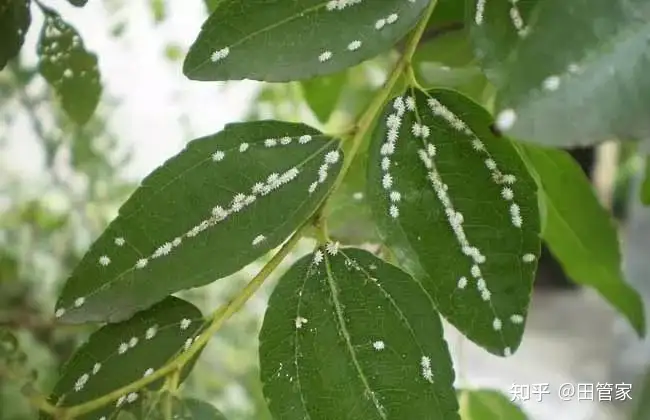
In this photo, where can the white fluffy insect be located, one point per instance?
(324, 56)
(354, 45)
(300, 321)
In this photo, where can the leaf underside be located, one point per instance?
(279, 41)
(69, 68)
(581, 233)
(220, 204)
(348, 336)
(573, 73)
(119, 354)
(459, 209)
(15, 19)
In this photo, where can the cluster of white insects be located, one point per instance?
(515, 16)
(331, 158)
(394, 122)
(239, 202)
(124, 347)
(455, 218)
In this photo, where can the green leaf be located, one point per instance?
(210, 5)
(485, 404)
(459, 209)
(279, 41)
(78, 3)
(348, 336)
(182, 409)
(573, 74)
(448, 14)
(119, 354)
(580, 232)
(223, 202)
(158, 10)
(645, 186)
(322, 93)
(69, 68)
(15, 19)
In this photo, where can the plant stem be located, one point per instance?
(223, 313)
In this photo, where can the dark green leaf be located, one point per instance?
(645, 186)
(278, 41)
(223, 202)
(119, 354)
(459, 209)
(210, 5)
(78, 3)
(348, 336)
(447, 14)
(69, 68)
(322, 93)
(574, 73)
(580, 232)
(15, 19)
(484, 404)
(182, 409)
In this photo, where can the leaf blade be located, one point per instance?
(15, 18)
(223, 202)
(281, 41)
(69, 68)
(580, 232)
(354, 329)
(575, 77)
(459, 211)
(125, 352)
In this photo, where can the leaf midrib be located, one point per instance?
(186, 171)
(107, 285)
(116, 281)
(346, 335)
(426, 93)
(401, 314)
